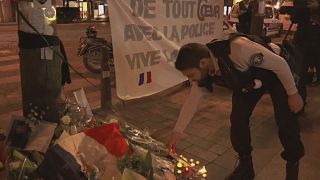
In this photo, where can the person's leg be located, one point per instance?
(316, 61)
(317, 65)
(301, 68)
(288, 129)
(313, 45)
(242, 107)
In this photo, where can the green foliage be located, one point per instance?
(138, 163)
(147, 166)
(133, 162)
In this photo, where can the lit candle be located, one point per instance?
(186, 169)
(204, 175)
(203, 170)
(179, 171)
(192, 164)
(179, 165)
(191, 160)
(197, 162)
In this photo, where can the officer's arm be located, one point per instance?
(189, 108)
(245, 50)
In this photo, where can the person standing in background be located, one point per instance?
(242, 10)
(306, 13)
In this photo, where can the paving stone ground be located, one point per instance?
(207, 136)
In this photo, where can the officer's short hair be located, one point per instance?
(190, 54)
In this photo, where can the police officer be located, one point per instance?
(242, 10)
(198, 62)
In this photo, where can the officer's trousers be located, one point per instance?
(288, 126)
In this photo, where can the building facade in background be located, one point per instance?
(82, 10)
(68, 11)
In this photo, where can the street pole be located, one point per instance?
(90, 7)
(257, 18)
(40, 59)
(106, 99)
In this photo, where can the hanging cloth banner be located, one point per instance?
(146, 37)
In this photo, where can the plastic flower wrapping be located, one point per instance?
(87, 147)
(74, 119)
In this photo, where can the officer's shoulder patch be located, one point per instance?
(256, 59)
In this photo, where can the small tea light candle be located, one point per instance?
(203, 170)
(186, 169)
(179, 171)
(191, 160)
(197, 162)
(204, 175)
(192, 164)
(179, 165)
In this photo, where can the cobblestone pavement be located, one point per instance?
(207, 136)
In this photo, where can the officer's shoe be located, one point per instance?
(244, 170)
(292, 170)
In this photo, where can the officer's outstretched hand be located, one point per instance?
(173, 140)
(295, 102)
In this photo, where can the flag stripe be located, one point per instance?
(141, 79)
(149, 77)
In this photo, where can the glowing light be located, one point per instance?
(186, 169)
(197, 162)
(179, 171)
(191, 160)
(192, 164)
(203, 170)
(204, 175)
(179, 165)
(277, 6)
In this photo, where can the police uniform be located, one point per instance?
(276, 78)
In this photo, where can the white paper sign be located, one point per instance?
(46, 53)
(146, 37)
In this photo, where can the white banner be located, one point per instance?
(146, 37)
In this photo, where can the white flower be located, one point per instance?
(65, 120)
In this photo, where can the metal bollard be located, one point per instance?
(106, 99)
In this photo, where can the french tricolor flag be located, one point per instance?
(145, 78)
(91, 148)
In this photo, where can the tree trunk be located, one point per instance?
(40, 64)
(257, 19)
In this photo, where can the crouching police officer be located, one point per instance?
(258, 70)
